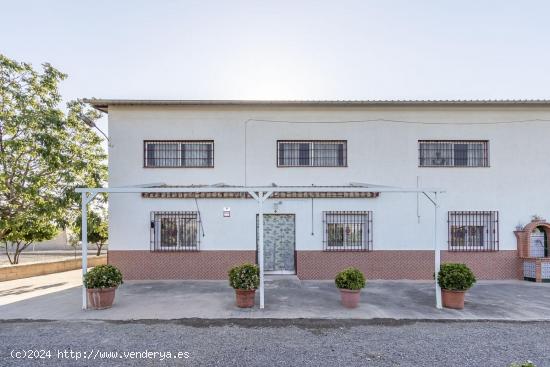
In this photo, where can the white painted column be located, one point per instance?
(437, 251)
(261, 246)
(84, 243)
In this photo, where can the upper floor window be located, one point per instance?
(175, 231)
(473, 231)
(179, 153)
(347, 231)
(312, 153)
(453, 153)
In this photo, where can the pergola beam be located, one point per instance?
(138, 190)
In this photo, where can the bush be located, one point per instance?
(103, 276)
(455, 277)
(524, 364)
(350, 278)
(245, 276)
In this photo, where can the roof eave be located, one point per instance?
(103, 104)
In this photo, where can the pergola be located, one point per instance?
(260, 194)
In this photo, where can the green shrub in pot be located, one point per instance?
(103, 276)
(350, 281)
(455, 277)
(350, 278)
(454, 280)
(101, 283)
(245, 279)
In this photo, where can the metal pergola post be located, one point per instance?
(260, 197)
(86, 198)
(437, 251)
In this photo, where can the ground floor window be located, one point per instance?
(175, 231)
(347, 231)
(473, 231)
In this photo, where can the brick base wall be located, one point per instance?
(142, 265)
(395, 264)
(391, 264)
(489, 265)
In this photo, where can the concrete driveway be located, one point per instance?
(57, 297)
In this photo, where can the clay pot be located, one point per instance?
(245, 298)
(101, 298)
(453, 299)
(350, 298)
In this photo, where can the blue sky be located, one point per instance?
(286, 49)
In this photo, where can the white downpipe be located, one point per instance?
(261, 246)
(84, 246)
(437, 256)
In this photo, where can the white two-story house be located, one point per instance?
(490, 158)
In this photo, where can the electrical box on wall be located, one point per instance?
(227, 212)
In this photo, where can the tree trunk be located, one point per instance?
(18, 250)
(7, 252)
(99, 247)
(16, 254)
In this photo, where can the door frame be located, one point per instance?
(278, 272)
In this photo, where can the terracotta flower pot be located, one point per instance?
(350, 298)
(245, 298)
(101, 298)
(453, 299)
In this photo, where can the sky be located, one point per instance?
(386, 49)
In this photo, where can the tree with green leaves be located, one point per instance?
(45, 153)
(98, 230)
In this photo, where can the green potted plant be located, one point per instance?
(245, 279)
(350, 281)
(101, 283)
(454, 280)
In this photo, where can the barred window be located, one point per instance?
(310, 153)
(175, 231)
(347, 231)
(178, 153)
(473, 231)
(453, 153)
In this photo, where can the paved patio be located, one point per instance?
(57, 297)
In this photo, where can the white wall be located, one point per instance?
(379, 152)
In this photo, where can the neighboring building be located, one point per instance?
(489, 156)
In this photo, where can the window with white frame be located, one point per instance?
(347, 231)
(178, 153)
(453, 153)
(175, 231)
(311, 153)
(473, 230)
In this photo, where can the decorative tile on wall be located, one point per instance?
(529, 269)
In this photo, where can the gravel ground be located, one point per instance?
(277, 343)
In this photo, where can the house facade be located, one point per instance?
(490, 157)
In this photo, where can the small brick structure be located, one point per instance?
(533, 268)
